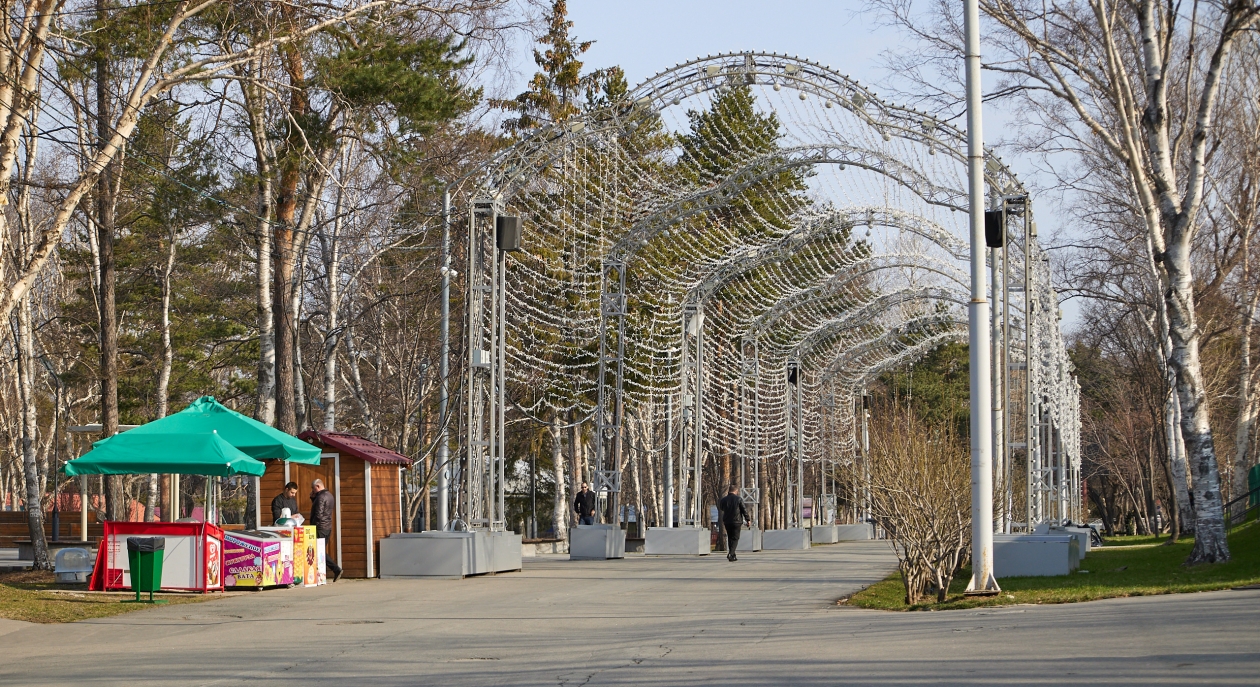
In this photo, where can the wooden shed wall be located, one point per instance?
(353, 517)
(386, 505)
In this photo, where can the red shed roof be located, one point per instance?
(357, 446)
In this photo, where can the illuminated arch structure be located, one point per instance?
(662, 274)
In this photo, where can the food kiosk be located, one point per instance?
(191, 561)
(206, 438)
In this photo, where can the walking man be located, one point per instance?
(584, 505)
(321, 517)
(733, 516)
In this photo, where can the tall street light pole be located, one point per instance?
(982, 580)
(444, 369)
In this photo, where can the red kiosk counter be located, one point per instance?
(192, 560)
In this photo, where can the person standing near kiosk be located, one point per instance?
(285, 499)
(322, 519)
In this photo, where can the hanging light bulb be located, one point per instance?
(802, 95)
(777, 87)
(829, 104)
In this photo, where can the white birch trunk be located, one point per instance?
(1246, 401)
(299, 382)
(560, 509)
(332, 275)
(164, 376)
(356, 386)
(29, 431)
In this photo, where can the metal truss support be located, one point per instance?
(750, 427)
(864, 407)
(690, 458)
(796, 439)
(612, 355)
(828, 501)
(482, 505)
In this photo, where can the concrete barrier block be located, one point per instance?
(1026, 555)
(596, 542)
(862, 531)
(676, 541)
(749, 540)
(427, 554)
(824, 534)
(792, 539)
(504, 551)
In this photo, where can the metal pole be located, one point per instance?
(999, 374)
(1031, 432)
(501, 400)
(982, 580)
(669, 461)
(444, 369)
(866, 458)
(1008, 484)
(800, 450)
(697, 500)
(473, 344)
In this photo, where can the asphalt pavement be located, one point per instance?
(768, 619)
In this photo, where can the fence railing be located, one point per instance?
(1242, 510)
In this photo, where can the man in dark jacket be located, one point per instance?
(285, 499)
(322, 519)
(733, 516)
(584, 505)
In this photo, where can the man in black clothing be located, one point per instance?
(733, 516)
(584, 505)
(285, 499)
(322, 519)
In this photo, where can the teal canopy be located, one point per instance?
(130, 453)
(251, 437)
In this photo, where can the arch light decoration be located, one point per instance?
(712, 213)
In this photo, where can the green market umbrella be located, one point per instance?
(248, 435)
(206, 453)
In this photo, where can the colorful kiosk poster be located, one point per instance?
(285, 572)
(321, 554)
(192, 559)
(307, 551)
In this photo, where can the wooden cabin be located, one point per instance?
(364, 478)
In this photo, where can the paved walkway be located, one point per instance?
(769, 619)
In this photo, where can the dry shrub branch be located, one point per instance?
(921, 496)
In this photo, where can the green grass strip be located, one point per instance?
(1128, 566)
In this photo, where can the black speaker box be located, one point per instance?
(507, 232)
(994, 232)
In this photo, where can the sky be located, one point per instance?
(645, 37)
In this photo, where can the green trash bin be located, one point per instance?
(145, 557)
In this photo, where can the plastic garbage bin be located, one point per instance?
(144, 554)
